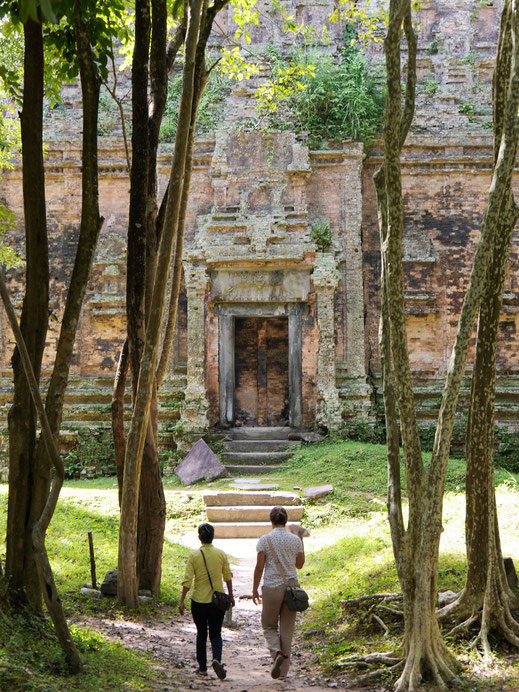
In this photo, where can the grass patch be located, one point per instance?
(31, 659)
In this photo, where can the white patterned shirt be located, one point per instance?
(287, 545)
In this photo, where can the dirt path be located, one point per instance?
(245, 655)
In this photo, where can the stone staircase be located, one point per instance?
(245, 514)
(258, 450)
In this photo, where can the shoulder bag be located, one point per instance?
(220, 600)
(296, 598)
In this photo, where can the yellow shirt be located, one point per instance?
(218, 566)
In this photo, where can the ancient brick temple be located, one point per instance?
(272, 331)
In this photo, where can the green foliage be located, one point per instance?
(364, 431)
(322, 235)
(506, 455)
(8, 256)
(94, 450)
(470, 110)
(343, 100)
(210, 110)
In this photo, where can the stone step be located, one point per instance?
(242, 529)
(226, 498)
(261, 433)
(256, 458)
(249, 514)
(253, 470)
(258, 445)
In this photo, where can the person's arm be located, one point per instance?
(181, 607)
(258, 571)
(186, 583)
(229, 591)
(300, 557)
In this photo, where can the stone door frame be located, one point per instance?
(226, 360)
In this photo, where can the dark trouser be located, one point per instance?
(205, 616)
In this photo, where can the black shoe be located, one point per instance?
(199, 671)
(219, 669)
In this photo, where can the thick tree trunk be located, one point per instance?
(28, 485)
(39, 552)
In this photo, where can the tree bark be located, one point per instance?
(118, 415)
(28, 484)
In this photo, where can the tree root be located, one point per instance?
(384, 597)
(464, 625)
(375, 674)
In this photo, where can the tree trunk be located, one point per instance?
(416, 548)
(486, 595)
(152, 503)
(41, 560)
(28, 485)
(127, 586)
(90, 226)
(118, 415)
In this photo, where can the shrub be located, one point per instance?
(95, 450)
(342, 101)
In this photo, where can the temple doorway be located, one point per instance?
(261, 393)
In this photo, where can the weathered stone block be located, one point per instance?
(318, 491)
(109, 585)
(201, 463)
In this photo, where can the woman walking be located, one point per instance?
(208, 566)
(280, 553)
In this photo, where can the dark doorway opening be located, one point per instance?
(261, 393)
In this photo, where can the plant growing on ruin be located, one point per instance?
(322, 235)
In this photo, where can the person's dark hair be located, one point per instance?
(278, 516)
(206, 533)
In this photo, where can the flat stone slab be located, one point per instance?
(201, 463)
(233, 498)
(318, 491)
(255, 486)
(241, 529)
(249, 513)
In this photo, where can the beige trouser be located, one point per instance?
(278, 623)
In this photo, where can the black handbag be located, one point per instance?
(295, 597)
(219, 600)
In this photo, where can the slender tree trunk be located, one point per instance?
(486, 596)
(118, 415)
(416, 549)
(28, 485)
(152, 502)
(127, 586)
